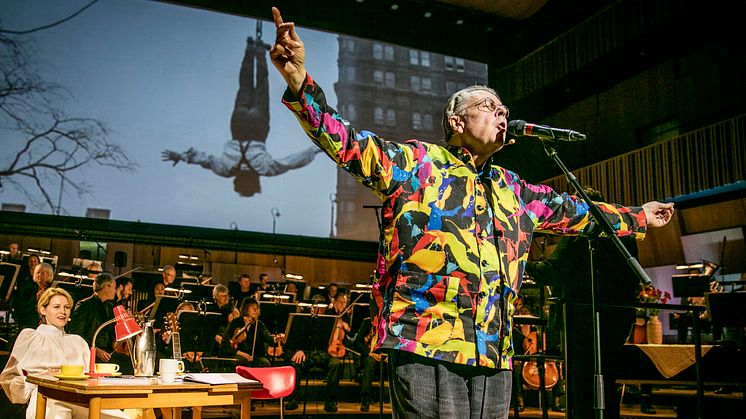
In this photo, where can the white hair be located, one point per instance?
(455, 105)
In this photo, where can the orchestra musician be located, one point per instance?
(93, 311)
(303, 361)
(169, 275)
(369, 362)
(143, 306)
(28, 289)
(226, 308)
(246, 337)
(245, 290)
(123, 292)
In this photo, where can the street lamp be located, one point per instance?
(275, 215)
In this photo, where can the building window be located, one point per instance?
(419, 58)
(351, 114)
(349, 45)
(351, 72)
(427, 84)
(455, 64)
(378, 51)
(460, 65)
(378, 77)
(450, 87)
(428, 122)
(414, 57)
(391, 117)
(388, 53)
(424, 58)
(378, 115)
(414, 83)
(390, 79)
(416, 121)
(450, 63)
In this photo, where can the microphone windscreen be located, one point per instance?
(515, 128)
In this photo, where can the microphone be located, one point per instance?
(521, 128)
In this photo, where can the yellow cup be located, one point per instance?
(71, 370)
(106, 368)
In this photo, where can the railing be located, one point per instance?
(700, 160)
(609, 30)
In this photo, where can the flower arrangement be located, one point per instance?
(650, 294)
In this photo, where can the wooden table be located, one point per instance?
(140, 393)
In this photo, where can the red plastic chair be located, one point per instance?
(278, 382)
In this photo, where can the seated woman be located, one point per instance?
(246, 337)
(46, 348)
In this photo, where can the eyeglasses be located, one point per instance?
(489, 105)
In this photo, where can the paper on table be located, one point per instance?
(218, 378)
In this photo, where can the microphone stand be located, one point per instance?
(600, 224)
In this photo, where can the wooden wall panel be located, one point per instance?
(713, 217)
(662, 246)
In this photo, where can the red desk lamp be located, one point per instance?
(125, 328)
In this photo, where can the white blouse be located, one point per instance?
(41, 348)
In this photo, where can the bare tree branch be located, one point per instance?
(55, 146)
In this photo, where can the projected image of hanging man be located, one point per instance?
(245, 157)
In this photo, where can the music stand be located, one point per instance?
(690, 285)
(198, 292)
(8, 277)
(77, 290)
(309, 332)
(198, 330)
(275, 315)
(359, 312)
(360, 295)
(726, 309)
(164, 304)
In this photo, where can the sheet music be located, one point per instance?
(218, 378)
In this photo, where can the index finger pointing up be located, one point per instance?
(277, 16)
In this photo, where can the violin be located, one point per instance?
(239, 335)
(276, 351)
(336, 347)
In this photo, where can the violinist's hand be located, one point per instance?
(279, 337)
(346, 327)
(102, 355)
(235, 313)
(376, 356)
(299, 357)
(218, 339)
(245, 355)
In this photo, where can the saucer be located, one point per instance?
(104, 374)
(71, 377)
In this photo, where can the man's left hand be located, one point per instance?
(658, 213)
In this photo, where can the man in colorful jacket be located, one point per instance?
(455, 238)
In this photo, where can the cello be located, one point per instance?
(530, 371)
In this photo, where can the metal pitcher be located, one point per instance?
(143, 356)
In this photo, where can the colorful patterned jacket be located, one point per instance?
(455, 238)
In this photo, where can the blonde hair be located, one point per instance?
(46, 297)
(43, 266)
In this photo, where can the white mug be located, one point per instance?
(168, 369)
